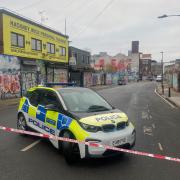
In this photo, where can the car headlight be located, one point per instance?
(90, 128)
(127, 123)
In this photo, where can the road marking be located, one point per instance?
(150, 134)
(144, 115)
(153, 125)
(31, 145)
(160, 146)
(148, 130)
(164, 99)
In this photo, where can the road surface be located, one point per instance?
(158, 131)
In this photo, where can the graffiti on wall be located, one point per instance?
(98, 79)
(49, 74)
(9, 77)
(87, 79)
(115, 77)
(108, 78)
(175, 81)
(57, 75)
(28, 80)
(94, 79)
(42, 74)
(60, 75)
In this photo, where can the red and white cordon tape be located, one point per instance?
(157, 156)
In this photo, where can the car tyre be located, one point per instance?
(70, 150)
(21, 123)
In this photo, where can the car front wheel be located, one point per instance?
(70, 150)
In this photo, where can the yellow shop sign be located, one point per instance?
(25, 39)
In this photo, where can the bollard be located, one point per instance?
(162, 89)
(169, 92)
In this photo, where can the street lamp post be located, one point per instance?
(162, 82)
(165, 16)
(160, 17)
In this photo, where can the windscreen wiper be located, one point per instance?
(96, 108)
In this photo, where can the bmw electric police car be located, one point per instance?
(77, 113)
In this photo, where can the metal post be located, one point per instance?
(162, 81)
(21, 78)
(169, 92)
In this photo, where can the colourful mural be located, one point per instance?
(115, 78)
(50, 75)
(42, 74)
(87, 79)
(176, 81)
(29, 79)
(60, 75)
(9, 77)
(108, 78)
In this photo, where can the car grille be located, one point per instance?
(112, 127)
(121, 125)
(108, 127)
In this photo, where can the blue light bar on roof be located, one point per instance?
(60, 84)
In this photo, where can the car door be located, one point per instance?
(49, 117)
(33, 98)
(53, 120)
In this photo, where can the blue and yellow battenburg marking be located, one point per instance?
(54, 119)
(51, 121)
(25, 106)
(41, 113)
(63, 121)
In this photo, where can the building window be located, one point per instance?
(36, 44)
(62, 51)
(17, 40)
(88, 60)
(83, 58)
(76, 56)
(51, 48)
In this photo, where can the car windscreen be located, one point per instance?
(83, 100)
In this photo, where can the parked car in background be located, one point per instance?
(159, 78)
(121, 82)
(150, 78)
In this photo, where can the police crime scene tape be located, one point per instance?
(157, 156)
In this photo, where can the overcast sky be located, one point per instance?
(110, 25)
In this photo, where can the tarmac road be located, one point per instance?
(158, 131)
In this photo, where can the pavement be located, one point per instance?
(8, 102)
(158, 131)
(175, 96)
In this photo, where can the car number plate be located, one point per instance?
(119, 142)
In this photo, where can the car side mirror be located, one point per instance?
(51, 107)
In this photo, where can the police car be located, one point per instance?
(77, 113)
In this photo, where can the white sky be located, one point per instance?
(111, 30)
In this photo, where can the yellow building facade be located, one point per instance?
(24, 39)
